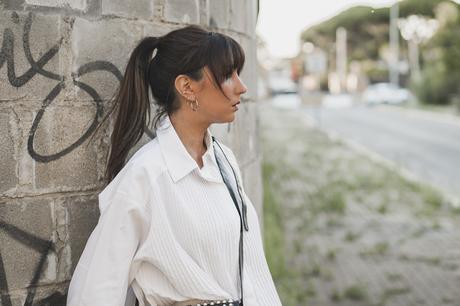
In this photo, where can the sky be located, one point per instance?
(280, 22)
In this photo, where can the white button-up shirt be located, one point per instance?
(169, 231)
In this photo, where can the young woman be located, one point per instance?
(175, 222)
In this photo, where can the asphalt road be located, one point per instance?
(427, 146)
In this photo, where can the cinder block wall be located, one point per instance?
(60, 62)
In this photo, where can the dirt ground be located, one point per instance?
(354, 232)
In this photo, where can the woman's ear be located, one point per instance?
(183, 85)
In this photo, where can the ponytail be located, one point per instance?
(133, 106)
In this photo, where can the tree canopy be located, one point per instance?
(367, 27)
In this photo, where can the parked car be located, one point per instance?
(385, 93)
(281, 84)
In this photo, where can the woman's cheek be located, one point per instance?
(227, 86)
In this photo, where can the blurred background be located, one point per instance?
(360, 130)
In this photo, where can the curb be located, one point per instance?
(425, 114)
(452, 200)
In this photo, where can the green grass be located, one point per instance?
(447, 300)
(382, 209)
(393, 276)
(331, 254)
(273, 230)
(379, 249)
(434, 260)
(336, 296)
(351, 236)
(316, 270)
(334, 202)
(310, 290)
(390, 292)
(327, 275)
(356, 292)
(432, 199)
(287, 280)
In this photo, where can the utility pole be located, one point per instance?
(341, 59)
(394, 44)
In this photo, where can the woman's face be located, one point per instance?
(214, 106)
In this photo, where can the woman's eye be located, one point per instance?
(231, 74)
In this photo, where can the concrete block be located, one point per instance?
(16, 298)
(252, 15)
(219, 14)
(181, 11)
(29, 39)
(239, 16)
(203, 15)
(249, 72)
(17, 5)
(49, 296)
(252, 182)
(100, 46)
(52, 296)
(243, 139)
(59, 128)
(21, 124)
(72, 4)
(8, 159)
(83, 214)
(26, 229)
(141, 9)
(156, 29)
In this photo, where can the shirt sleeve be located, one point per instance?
(254, 255)
(102, 275)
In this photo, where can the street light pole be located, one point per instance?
(394, 45)
(341, 57)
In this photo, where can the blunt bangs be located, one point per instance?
(225, 55)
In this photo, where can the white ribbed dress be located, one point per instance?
(169, 231)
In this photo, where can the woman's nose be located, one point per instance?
(243, 87)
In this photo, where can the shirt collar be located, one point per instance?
(178, 161)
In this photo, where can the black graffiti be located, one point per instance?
(42, 246)
(7, 51)
(36, 67)
(7, 54)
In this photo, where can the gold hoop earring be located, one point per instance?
(197, 105)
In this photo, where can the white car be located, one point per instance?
(281, 84)
(385, 93)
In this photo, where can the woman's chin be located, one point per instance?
(228, 119)
(232, 117)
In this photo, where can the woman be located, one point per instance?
(171, 225)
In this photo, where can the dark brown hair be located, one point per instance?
(183, 51)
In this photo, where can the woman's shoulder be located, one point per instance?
(138, 176)
(148, 159)
(148, 154)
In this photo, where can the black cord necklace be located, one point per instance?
(243, 212)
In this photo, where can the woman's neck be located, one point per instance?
(192, 134)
